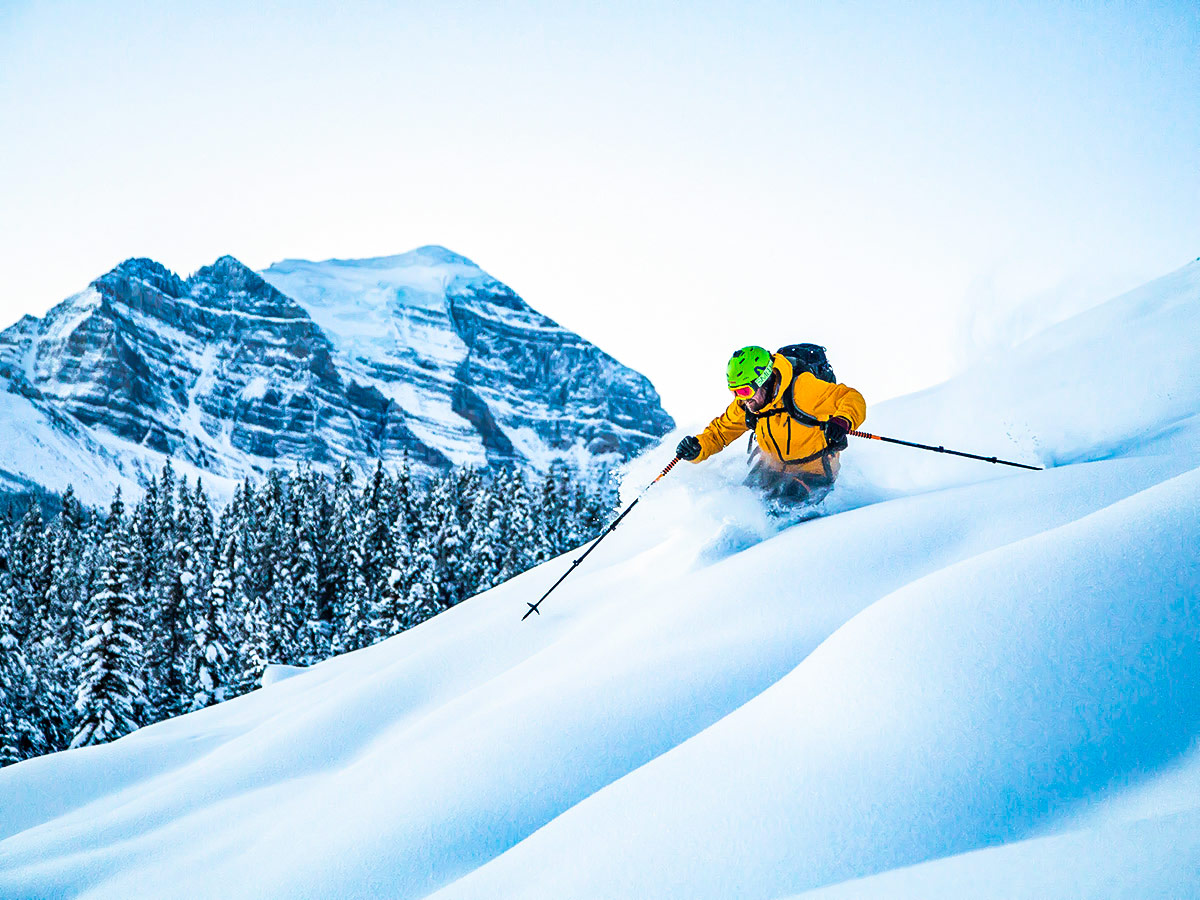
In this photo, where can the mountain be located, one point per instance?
(477, 372)
(962, 675)
(422, 355)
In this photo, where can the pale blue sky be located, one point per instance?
(903, 182)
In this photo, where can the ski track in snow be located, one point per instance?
(962, 674)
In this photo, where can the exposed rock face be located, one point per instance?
(468, 364)
(422, 354)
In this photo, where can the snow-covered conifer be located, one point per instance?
(485, 553)
(205, 604)
(388, 615)
(518, 529)
(378, 550)
(442, 521)
(210, 625)
(424, 593)
(20, 732)
(110, 686)
(311, 638)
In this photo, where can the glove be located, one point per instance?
(689, 448)
(835, 432)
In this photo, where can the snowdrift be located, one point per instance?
(960, 673)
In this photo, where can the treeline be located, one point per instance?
(113, 621)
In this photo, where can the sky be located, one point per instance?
(910, 185)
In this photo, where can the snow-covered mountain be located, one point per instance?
(422, 354)
(473, 370)
(964, 680)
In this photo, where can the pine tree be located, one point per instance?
(351, 631)
(518, 529)
(207, 654)
(170, 637)
(442, 520)
(311, 641)
(110, 687)
(277, 549)
(378, 550)
(326, 551)
(554, 515)
(20, 734)
(32, 591)
(210, 625)
(253, 585)
(424, 592)
(239, 608)
(403, 496)
(388, 616)
(26, 553)
(354, 633)
(66, 550)
(484, 541)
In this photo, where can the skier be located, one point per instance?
(799, 420)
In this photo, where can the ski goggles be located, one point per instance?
(745, 392)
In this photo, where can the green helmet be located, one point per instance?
(750, 365)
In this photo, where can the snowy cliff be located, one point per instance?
(963, 675)
(422, 355)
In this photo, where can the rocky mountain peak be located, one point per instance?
(422, 355)
(230, 284)
(146, 271)
(228, 270)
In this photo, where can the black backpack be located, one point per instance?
(809, 358)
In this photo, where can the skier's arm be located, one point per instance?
(850, 405)
(725, 428)
(825, 400)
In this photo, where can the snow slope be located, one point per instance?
(963, 673)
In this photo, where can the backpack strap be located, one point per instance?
(789, 404)
(789, 408)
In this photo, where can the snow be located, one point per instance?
(1137, 860)
(947, 715)
(274, 674)
(390, 315)
(373, 308)
(55, 453)
(255, 389)
(962, 675)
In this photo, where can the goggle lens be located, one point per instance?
(746, 390)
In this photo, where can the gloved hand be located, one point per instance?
(689, 448)
(835, 432)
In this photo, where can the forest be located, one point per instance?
(111, 620)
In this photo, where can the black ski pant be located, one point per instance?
(791, 488)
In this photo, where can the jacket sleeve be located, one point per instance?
(725, 428)
(850, 404)
(824, 400)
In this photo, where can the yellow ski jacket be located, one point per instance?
(788, 428)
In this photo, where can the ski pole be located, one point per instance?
(533, 607)
(991, 459)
